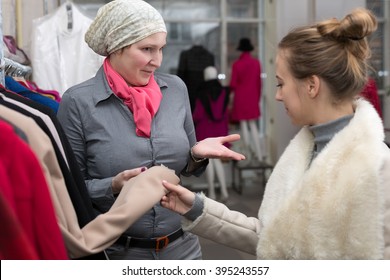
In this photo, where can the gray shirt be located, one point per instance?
(101, 131)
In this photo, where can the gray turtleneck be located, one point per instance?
(323, 133)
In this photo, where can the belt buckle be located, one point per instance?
(165, 241)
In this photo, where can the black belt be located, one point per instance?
(158, 243)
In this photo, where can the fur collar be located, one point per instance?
(330, 210)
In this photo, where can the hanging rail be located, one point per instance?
(15, 69)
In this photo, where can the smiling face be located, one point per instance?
(292, 92)
(136, 63)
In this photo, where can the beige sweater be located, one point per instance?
(336, 208)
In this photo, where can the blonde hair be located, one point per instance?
(335, 50)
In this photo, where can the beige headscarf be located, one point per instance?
(121, 23)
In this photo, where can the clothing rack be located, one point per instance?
(2, 62)
(15, 69)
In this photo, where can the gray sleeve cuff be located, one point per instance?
(196, 210)
(195, 167)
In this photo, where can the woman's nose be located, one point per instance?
(156, 59)
(278, 96)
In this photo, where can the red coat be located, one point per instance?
(245, 83)
(370, 92)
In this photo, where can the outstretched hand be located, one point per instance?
(178, 199)
(214, 148)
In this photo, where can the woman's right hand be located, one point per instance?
(119, 180)
(178, 198)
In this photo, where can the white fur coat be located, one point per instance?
(332, 209)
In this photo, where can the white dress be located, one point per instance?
(60, 57)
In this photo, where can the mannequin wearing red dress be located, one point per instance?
(245, 84)
(370, 92)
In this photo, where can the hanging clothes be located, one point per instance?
(211, 116)
(370, 92)
(59, 55)
(192, 63)
(24, 187)
(73, 179)
(13, 52)
(14, 242)
(246, 85)
(16, 87)
(87, 238)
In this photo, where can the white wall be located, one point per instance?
(336, 8)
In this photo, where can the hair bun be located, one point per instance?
(355, 26)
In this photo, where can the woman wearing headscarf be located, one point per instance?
(129, 116)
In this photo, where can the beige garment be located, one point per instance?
(137, 196)
(222, 225)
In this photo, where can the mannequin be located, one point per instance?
(245, 83)
(211, 120)
(249, 131)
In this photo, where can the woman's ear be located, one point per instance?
(313, 85)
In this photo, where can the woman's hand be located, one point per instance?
(178, 199)
(119, 180)
(215, 148)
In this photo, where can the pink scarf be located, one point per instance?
(143, 101)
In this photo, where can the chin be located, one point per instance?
(144, 81)
(140, 84)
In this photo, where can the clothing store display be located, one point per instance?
(14, 242)
(108, 34)
(30, 200)
(246, 85)
(46, 92)
(192, 63)
(211, 119)
(16, 87)
(85, 235)
(298, 218)
(245, 45)
(77, 190)
(210, 115)
(370, 92)
(80, 204)
(13, 52)
(41, 119)
(59, 56)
